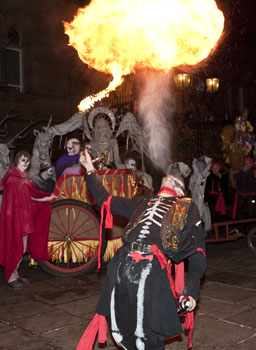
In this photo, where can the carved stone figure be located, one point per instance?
(99, 129)
(41, 150)
(4, 159)
(4, 163)
(102, 136)
(197, 182)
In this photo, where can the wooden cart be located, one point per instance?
(75, 223)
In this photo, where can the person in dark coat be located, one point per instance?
(245, 199)
(68, 162)
(139, 297)
(215, 188)
(44, 180)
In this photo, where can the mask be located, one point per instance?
(50, 172)
(73, 147)
(23, 163)
(175, 184)
(130, 164)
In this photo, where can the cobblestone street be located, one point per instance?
(52, 313)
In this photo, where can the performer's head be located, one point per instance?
(130, 163)
(22, 160)
(102, 131)
(215, 168)
(248, 163)
(46, 170)
(172, 186)
(73, 146)
(245, 113)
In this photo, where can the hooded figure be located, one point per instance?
(24, 220)
(68, 163)
(44, 180)
(201, 169)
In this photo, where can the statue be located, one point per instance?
(141, 175)
(99, 130)
(236, 144)
(197, 182)
(102, 136)
(4, 163)
(4, 159)
(41, 152)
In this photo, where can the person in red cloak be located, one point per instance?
(24, 220)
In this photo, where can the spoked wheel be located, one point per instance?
(73, 241)
(251, 239)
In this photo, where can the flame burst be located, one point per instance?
(118, 36)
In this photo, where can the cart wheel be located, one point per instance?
(73, 241)
(251, 239)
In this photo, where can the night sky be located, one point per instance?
(235, 57)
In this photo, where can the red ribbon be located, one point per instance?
(168, 190)
(179, 286)
(136, 256)
(189, 325)
(97, 325)
(179, 278)
(108, 224)
(220, 204)
(202, 251)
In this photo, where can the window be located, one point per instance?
(11, 63)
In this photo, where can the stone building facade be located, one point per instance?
(40, 75)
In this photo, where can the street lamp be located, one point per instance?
(212, 84)
(182, 81)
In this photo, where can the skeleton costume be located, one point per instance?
(137, 297)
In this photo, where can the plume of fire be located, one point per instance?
(118, 36)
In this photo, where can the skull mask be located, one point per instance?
(73, 147)
(23, 163)
(130, 163)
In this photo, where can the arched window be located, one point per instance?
(11, 63)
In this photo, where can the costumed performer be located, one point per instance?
(44, 180)
(215, 188)
(245, 198)
(68, 163)
(139, 297)
(24, 220)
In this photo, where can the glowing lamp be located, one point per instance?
(212, 84)
(182, 80)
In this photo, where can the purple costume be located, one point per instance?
(65, 161)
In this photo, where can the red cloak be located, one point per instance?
(21, 216)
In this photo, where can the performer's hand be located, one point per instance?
(86, 161)
(52, 196)
(45, 199)
(192, 302)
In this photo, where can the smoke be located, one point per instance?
(155, 109)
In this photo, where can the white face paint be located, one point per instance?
(50, 172)
(73, 147)
(23, 163)
(130, 163)
(88, 147)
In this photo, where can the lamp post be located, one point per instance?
(182, 81)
